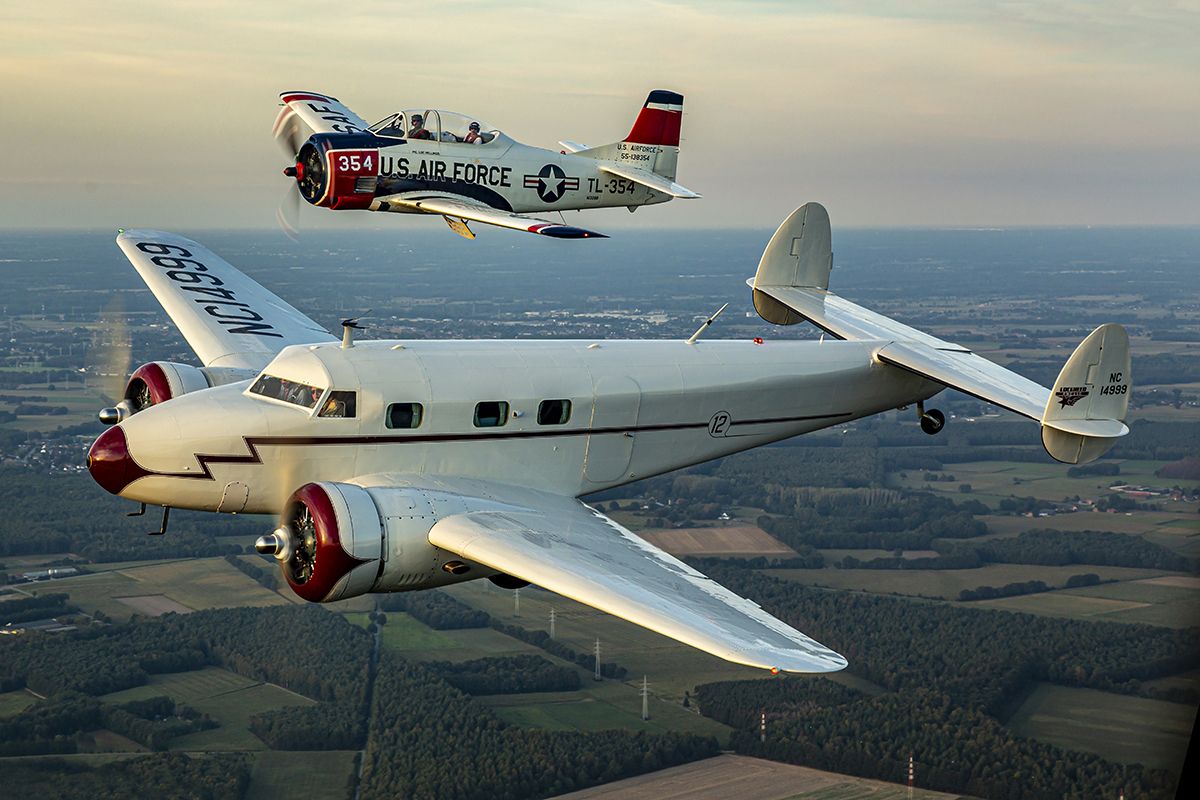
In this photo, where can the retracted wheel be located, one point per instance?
(932, 421)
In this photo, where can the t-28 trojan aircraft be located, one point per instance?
(404, 465)
(426, 161)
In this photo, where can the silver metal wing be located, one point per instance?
(569, 548)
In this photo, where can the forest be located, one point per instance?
(423, 715)
(950, 672)
(429, 741)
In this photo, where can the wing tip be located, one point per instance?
(565, 232)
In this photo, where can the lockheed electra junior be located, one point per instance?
(427, 161)
(405, 465)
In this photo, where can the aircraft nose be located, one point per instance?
(110, 463)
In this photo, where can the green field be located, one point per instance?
(15, 702)
(602, 705)
(1125, 729)
(947, 583)
(228, 698)
(82, 405)
(992, 481)
(324, 775)
(194, 583)
(1128, 601)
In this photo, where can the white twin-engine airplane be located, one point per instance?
(426, 161)
(403, 465)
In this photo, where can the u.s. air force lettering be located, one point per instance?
(436, 170)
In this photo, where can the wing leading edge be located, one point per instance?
(568, 548)
(228, 319)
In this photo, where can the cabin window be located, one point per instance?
(300, 394)
(554, 412)
(339, 404)
(404, 415)
(491, 414)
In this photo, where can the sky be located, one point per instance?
(929, 114)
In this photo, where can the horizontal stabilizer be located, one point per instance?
(1081, 418)
(650, 180)
(572, 147)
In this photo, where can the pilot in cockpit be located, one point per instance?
(417, 129)
(473, 136)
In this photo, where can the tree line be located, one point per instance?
(429, 741)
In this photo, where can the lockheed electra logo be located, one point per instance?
(1070, 395)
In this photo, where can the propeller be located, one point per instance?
(291, 133)
(304, 557)
(288, 213)
(110, 356)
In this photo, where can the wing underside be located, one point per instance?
(568, 548)
(461, 208)
(228, 319)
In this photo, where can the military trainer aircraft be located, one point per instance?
(428, 161)
(404, 465)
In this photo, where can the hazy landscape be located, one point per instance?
(1020, 628)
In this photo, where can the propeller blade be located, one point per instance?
(288, 213)
(110, 355)
(290, 132)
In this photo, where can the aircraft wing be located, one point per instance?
(567, 547)
(650, 179)
(462, 208)
(228, 319)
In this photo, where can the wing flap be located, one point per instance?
(568, 548)
(478, 212)
(650, 180)
(228, 319)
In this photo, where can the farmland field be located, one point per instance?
(733, 540)
(747, 778)
(323, 774)
(1125, 729)
(228, 698)
(947, 583)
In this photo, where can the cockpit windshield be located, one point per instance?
(298, 394)
(435, 125)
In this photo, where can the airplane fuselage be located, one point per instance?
(619, 411)
(364, 169)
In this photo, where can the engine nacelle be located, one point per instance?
(338, 170)
(159, 381)
(339, 540)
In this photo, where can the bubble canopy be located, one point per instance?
(436, 125)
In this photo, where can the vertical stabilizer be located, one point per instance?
(653, 142)
(1085, 414)
(800, 254)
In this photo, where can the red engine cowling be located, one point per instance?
(159, 381)
(338, 171)
(329, 542)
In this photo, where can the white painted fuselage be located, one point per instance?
(637, 409)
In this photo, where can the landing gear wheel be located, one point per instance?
(932, 421)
